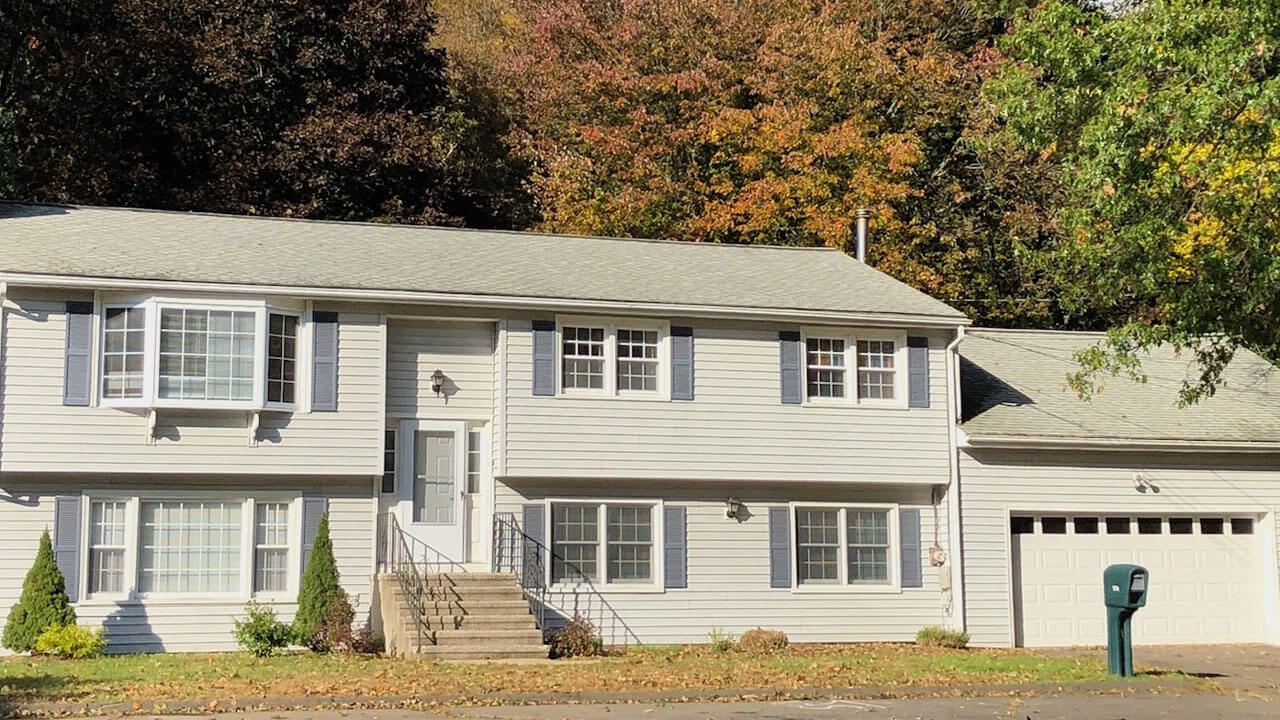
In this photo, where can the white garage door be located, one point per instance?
(1206, 582)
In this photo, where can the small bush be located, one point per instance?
(364, 642)
(43, 603)
(71, 641)
(763, 642)
(722, 641)
(334, 631)
(578, 638)
(260, 632)
(937, 636)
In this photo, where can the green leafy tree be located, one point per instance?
(1163, 118)
(320, 596)
(43, 602)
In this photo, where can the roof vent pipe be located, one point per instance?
(861, 216)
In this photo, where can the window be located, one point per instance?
(1150, 526)
(282, 358)
(124, 352)
(1118, 526)
(474, 460)
(389, 461)
(613, 543)
(844, 546)
(630, 555)
(106, 546)
(876, 370)
(575, 540)
(206, 354)
(1241, 526)
(1180, 526)
(1211, 526)
(825, 367)
(583, 358)
(1022, 525)
(1053, 525)
(271, 541)
(638, 360)
(1085, 525)
(189, 546)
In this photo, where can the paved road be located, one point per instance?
(1073, 707)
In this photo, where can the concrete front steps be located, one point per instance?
(467, 616)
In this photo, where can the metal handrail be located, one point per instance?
(517, 552)
(399, 560)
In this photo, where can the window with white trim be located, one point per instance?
(474, 460)
(609, 542)
(582, 358)
(844, 546)
(389, 461)
(124, 336)
(106, 546)
(189, 546)
(238, 354)
(877, 371)
(637, 360)
(271, 547)
(825, 367)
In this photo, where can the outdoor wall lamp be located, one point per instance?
(732, 507)
(437, 382)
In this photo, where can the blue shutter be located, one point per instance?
(66, 541)
(77, 369)
(681, 363)
(909, 528)
(675, 548)
(313, 508)
(544, 357)
(324, 361)
(918, 372)
(780, 547)
(792, 368)
(532, 522)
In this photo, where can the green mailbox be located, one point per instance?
(1124, 590)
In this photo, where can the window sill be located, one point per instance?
(187, 599)
(846, 590)
(628, 396)
(607, 589)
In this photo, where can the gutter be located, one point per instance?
(954, 528)
(616, 307)
(1011, 442)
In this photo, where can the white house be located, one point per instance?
(663, 437)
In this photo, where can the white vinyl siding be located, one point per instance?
(998, 484)
(728, 569)
(734, 429)
(198, 623)
(40, 434)
(463, 351)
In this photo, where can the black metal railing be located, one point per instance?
(414, 564)
(572, 594)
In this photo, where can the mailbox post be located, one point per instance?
(1124, 590)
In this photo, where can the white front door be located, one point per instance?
(430, 470)
(1206, 584)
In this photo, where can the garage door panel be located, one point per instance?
(1203, 588)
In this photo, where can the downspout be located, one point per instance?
(4, 313)
(956, 559)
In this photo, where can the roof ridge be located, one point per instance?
(411, 226)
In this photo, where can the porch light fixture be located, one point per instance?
(732, 507)
(437, 382)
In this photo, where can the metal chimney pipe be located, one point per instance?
(861, 216)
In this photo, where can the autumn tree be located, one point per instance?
(1164, 118)
(321, 108)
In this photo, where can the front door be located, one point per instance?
(430, 471)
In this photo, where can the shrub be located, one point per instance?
(334, 632)
(578, 638)
(320, 590)
(937, 636)
(364, 642)
(43, 602)
(763, 642)
(71, 641)
(722, 641)
(260, 632)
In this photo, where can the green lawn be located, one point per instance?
(243, 678)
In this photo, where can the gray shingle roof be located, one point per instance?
(1014, 385)
(194, 247)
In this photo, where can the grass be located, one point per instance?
(244, 678)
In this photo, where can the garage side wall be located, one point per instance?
(997, 483)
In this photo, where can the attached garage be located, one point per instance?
(1207, 577)
(1053, 489)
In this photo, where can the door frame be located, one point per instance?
(406, 453)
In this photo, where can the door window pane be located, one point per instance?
(817, 546)
(189, 546)
(630, 543)
(435, 480)
(474, 461)
(575, 541)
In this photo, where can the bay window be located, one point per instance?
(845, 546)
(609, 543)
(235, 354)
